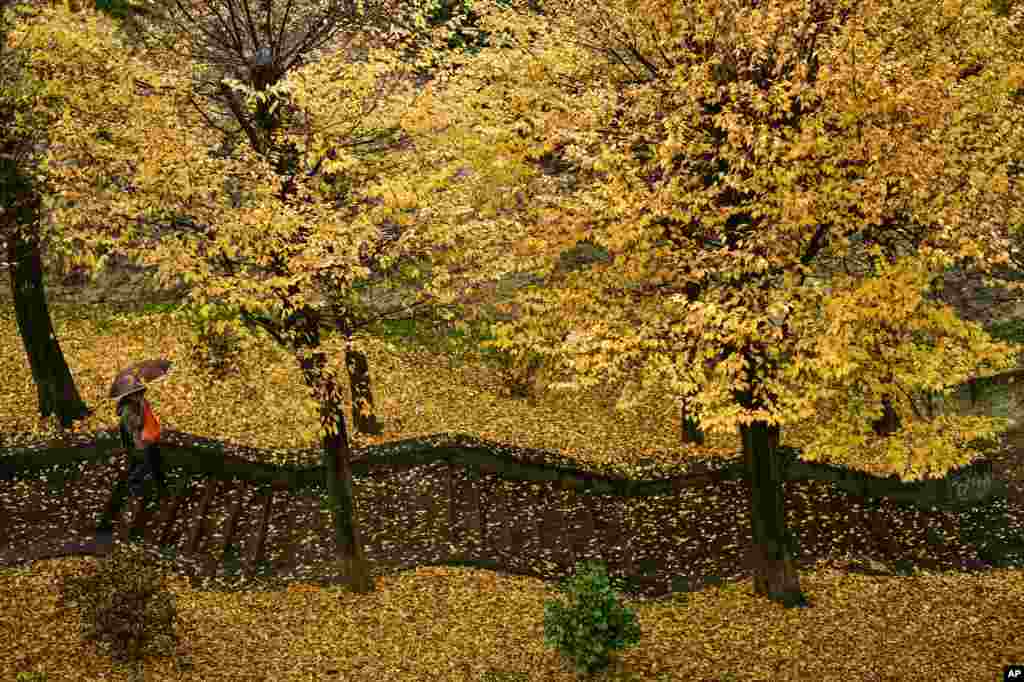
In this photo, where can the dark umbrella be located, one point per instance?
(135, 378)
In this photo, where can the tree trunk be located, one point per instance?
(774, 556)
(692, 433)
(338, 474)
(338, 467)
(56, 390)
(362, 397)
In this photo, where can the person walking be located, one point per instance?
(140, 436)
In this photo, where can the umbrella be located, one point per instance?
(135, 378)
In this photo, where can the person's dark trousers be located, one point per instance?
(151, 464)
(139, 466)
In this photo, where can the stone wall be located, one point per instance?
(961, 488)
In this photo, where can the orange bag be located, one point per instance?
(150, 424)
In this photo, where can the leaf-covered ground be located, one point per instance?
(942, 619)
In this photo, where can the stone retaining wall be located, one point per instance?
(961, 488)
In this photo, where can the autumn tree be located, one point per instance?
(724, 151)
(237, 47)
(284, 251)
(238, 41)
(22, 185)
(264, 258)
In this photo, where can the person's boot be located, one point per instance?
(135, 482)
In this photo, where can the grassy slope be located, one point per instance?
(866, 628)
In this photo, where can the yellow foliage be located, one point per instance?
(687, 161)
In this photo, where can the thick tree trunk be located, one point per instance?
(338, 473)
(55, 387)
(692, 433)
(362, 396)
(773, 554)
(774, 560)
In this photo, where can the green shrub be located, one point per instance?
(593, 625)
(123, 604)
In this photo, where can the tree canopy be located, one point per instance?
(731, 150)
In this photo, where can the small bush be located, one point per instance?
(123, 604)
(593, 625)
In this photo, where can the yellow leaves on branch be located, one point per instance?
(868, 351)
(920, 449)
(104, 130)
(165, 162)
